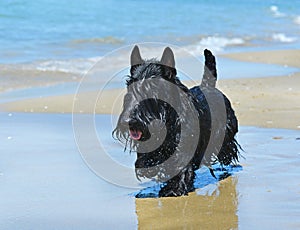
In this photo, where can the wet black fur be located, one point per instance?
(139, 116)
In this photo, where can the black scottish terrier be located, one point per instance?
(173, 129)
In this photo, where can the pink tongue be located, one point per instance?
(135, 134)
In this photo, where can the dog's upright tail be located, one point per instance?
(210, 71)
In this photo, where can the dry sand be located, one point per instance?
(279, 57)
(265, 102)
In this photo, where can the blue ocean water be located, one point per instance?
(40, 39)
(46, 29)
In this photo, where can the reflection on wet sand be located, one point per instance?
(216, 211)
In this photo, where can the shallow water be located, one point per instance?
(46, 184)
(113, 76)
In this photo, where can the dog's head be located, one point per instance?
(145, 101)
(149, 122)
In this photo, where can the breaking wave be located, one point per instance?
(297, 20)
(215, 44)
(281, 37)
(275, 12)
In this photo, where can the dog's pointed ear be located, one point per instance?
(167, 58)
(135, 59)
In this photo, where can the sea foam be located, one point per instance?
(297, 20)
(281, 37)
(275, 11)
(76, 66)
(214, 43)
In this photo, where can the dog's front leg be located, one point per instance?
(181, 184)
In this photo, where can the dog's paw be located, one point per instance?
(172, 191)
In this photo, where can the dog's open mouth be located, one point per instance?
(135, 134)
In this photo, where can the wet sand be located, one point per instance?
(264, 102)
(216, 211)
(47, 185)
(265, 193)
(12, 79)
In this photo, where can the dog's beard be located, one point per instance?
(133, 134)
(155, 142)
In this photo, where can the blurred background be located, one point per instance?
(69, 36)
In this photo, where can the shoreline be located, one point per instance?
(271, 102)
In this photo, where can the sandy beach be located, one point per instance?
(63, 72)
(11, 79)
(236, 202)
(264, 102)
